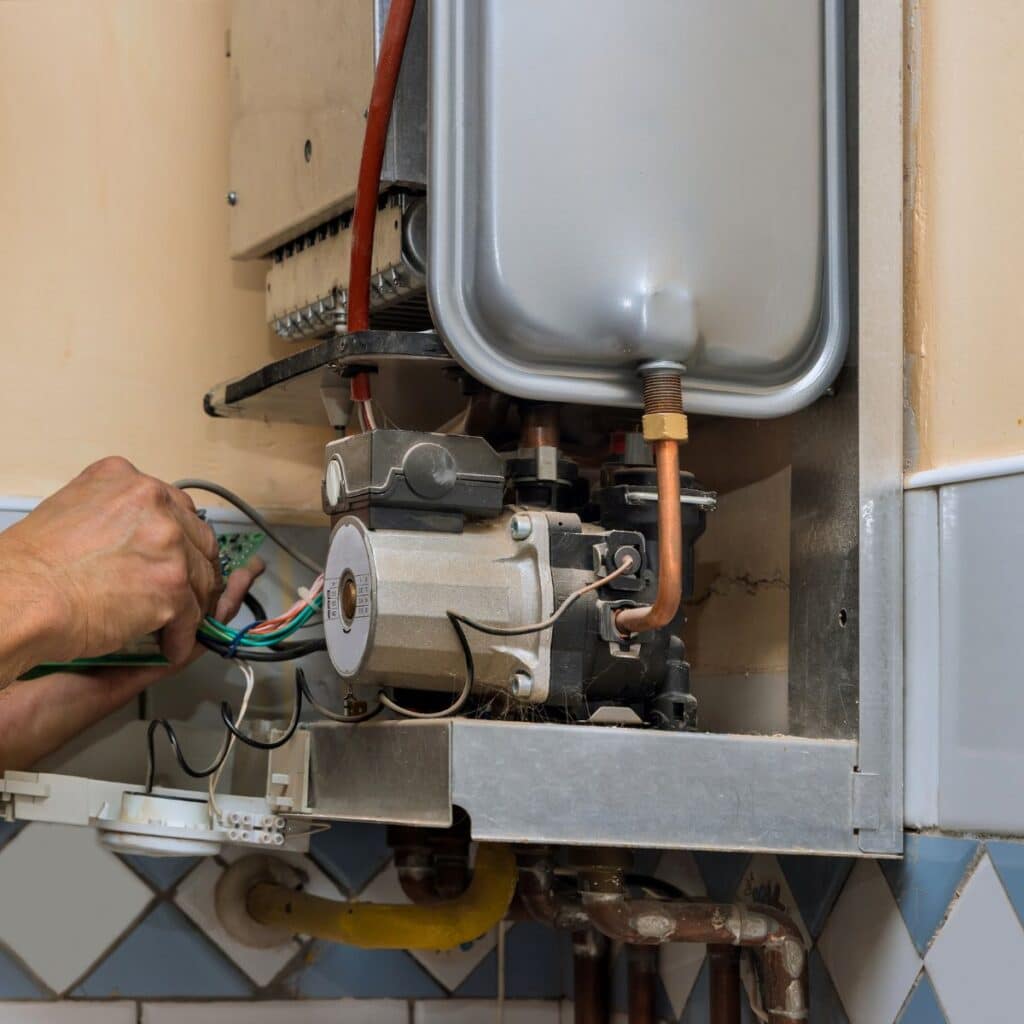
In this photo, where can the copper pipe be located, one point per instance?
(591, 977)
(537, 896)
(670, 549)
(540, 427)
(724, 964)
(642, 973)
(776, 941)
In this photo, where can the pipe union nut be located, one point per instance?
(665, 426)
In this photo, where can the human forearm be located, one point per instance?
(28, 614)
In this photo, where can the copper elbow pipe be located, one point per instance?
(670, 549)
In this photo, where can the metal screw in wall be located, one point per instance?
(307, 150)
(232, 199)
(520, 527)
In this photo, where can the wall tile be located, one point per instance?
(16, 982)
(165, 957)
(764, 882)
(1008, 859)
(68, 1013)
(341, 1011)
(478, 1012)
(534, 957)
(162, 872)
(977, 959)
(867, 948)
(925, 880)
(816, 883)
(722, 873)
(64, 900)
(330, 971)
(922, 1004)
(351, 852)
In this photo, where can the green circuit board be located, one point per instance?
(237, 548)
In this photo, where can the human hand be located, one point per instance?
(112, 556)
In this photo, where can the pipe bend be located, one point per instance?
(444, 925)
(670, 549)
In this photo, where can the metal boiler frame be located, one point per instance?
(626, 787)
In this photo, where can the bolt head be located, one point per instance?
(232, 199)
(522, 686)
(520, 527)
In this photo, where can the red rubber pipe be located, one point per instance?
(364, 213)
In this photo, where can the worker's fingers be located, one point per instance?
(178, 637)
(181, 499)
(200, 533)
(237, 586)
(204, 578)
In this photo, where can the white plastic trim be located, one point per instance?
(962, 472)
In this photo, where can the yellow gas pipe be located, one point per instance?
(445, 925)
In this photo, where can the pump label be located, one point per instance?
(332, 605)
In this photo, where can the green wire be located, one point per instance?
(211, 627)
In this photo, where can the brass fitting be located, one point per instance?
(665, 426)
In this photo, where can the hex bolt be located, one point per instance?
(522, 686)
(232, 199)
(520, 527)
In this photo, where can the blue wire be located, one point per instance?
(232, 651)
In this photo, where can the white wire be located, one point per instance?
(211, 782)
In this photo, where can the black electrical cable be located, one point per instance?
(334, 716)
(279, 652)
(228, 718)
(172, 738)
(259, 613)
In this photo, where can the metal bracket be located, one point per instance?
(867, 801)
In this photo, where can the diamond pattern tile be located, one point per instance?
(16, 982)
(680, 962)
(764, 882)
(867, 948)
(825, 1003)
(815, 883)
(922, 1005)
(534, 962)
(65, 899)
(925, 880)
(165, 957)
(330, 971)
(195, 896)
(450, 967)
(1008, 859)
(162, 872)
(721, 872)
(698, 1006)
(351, 852)
(976, 959)
(457, 1011)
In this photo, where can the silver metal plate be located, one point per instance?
(584, 785)
(654, 180)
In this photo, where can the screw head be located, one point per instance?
(232, 199)
(522, 686)
(520, 527)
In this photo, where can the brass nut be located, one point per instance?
(665, 426)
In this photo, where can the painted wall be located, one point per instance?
(120, 305)
(965, 164)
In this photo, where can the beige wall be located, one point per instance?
(118, 304)
(965, 301)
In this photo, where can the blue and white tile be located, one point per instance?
(196, 897)
(826, 1005)
(569, 1015)
(165, 957)
(68, 1013)
(329, 970)
(976, 959)
(334, 1011)
(680, 962)
(534, 960)
(922, 1005)
(16, 982)
(65, 899)
(450, 967)
(1008, 859)
(815, 883)
(351, 852)
(925, 880)
(765, 882)
(698, 1006)
(163, 873)
(867, 948)
(721, 873)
